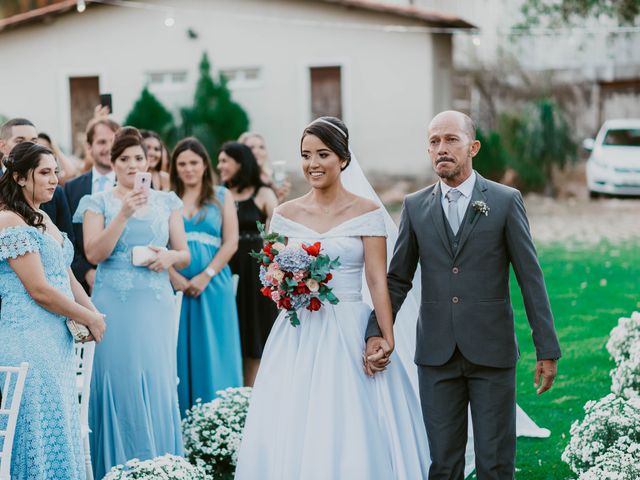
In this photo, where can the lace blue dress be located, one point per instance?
(133, 410)
(209, 353)
(47, 443)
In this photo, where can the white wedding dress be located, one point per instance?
(314, 414)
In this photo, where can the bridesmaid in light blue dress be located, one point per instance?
(209, 353)
(133, 410)
(38, 293)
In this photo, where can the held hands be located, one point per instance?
(162, 261)
(197, 285)
(132, 201)
(96, 327)
(547, 369)
(377, 355)
(179, 283)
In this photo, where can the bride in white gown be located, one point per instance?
(314, 413)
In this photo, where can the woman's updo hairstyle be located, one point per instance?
(333, 133)
(126, 137)
(24, 158)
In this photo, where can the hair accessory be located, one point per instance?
(322, 120)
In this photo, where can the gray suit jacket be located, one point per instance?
(465, 294)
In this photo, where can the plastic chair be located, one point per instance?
(84, 368)
(9, 407)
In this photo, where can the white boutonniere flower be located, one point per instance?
(479, 207)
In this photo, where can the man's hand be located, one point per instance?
(547, 369)
(376, 356)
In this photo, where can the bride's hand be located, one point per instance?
(377, 355)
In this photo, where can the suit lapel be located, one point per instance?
(473, 217)
(435, 210)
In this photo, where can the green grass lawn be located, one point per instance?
(590, 287)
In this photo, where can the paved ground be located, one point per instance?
(582, 220)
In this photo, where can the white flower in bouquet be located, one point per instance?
(212, 432)
(167, 467)
(610, 424)
(625, 378)
(624, 336)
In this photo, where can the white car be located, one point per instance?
(614, 164)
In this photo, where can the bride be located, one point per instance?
(315, 413)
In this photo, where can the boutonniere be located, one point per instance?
(479, 207)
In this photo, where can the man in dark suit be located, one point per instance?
(100, 134)
(19, 130)
(465, 232)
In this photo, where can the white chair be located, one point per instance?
(9, 407)
(178, 300)
(236, 278)
(84, 368)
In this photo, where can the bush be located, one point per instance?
(149, 113)
(537, 140)
(610, 430)
(214, 117)
(212, 432)
(491, 161)
(623, 336)
(167, 467)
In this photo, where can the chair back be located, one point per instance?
(12, 385)
(84, 368)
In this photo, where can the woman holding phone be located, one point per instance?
(133, 410)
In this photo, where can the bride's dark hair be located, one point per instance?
(333, 133)
(23, 160)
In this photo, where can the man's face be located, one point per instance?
(451, 148)
(100, 149)
(19, 134)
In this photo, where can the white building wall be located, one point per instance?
(387, 77)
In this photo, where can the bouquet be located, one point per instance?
(294, 276)
(212, 432)
(167, 466)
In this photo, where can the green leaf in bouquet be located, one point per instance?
(331, 298)
(291, 282)
(292, 315)
(269, 237)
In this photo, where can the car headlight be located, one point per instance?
(600, 162)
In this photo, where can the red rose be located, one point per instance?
(266, 291)
(285, 302)
(328, 277)
(267, 248)
(314, 304)
(313, 250)
(302, 288)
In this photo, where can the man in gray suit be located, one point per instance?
(465, 232)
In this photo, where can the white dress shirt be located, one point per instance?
(108, 183)
(465, 188)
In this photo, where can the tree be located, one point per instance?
(214, 117)
(149, 113)
(539, 141)
(566, 12)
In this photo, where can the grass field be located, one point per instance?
(590, 287)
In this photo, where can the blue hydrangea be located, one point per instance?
(300, 301)
(293, 259)
(263, 272)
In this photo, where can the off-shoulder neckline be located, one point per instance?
(377, 210)
(63, 234)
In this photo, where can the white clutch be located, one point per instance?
(142, 254)
(78, 331)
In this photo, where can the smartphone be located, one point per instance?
(105, 101)
(142, 182)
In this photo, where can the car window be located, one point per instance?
(623, 137)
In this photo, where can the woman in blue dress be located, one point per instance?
(133, 411)
(209, 353)
(39, 293)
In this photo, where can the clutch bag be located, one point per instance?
(78, 331)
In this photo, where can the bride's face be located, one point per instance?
(320, 165)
